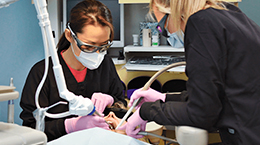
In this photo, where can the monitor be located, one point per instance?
(117, 11)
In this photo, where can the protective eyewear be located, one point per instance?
(160, 27)
(87, 47)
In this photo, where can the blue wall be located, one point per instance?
(252, 9)
(21, 44)
(20, 47)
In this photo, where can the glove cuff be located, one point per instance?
(70, 125)
(163, 96)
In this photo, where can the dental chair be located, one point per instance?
(13, 134)
(186, 135)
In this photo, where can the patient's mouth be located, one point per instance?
(111, 125)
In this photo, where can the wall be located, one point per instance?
(251, 9)
(21, 42)
(20, 47)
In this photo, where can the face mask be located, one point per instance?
(175, 40)
(90, 60)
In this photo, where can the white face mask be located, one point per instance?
(175, 40)
(90, 60)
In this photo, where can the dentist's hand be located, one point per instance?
(149, 95)
(132, 122)
(101, 101)
(84, 122)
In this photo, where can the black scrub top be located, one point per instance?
(104, 79)
(222, 50)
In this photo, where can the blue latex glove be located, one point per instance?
(101, 101)
(149, 95)
(84, 122)
(132, 122)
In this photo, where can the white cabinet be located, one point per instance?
(162, 48)
(141, 58)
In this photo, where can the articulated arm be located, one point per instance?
(77, 104)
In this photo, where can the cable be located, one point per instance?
(147, 86)
(153, 78)
(158, 136)
(44, 24)
(45, 43)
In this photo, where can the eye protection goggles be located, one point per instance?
(160, 27)
(87, 47)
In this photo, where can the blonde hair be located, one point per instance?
(162, 5)
(181, 10)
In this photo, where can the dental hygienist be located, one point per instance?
(161, 10)
(87, 69)
(222, 49)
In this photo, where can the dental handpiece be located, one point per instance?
(136, 102)
(96, 113)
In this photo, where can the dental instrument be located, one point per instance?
(96, 113)
(146, 86)
(170, 141)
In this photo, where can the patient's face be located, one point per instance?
(114, 121)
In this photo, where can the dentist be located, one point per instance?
(88, 71)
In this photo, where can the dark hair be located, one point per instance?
(87, 12)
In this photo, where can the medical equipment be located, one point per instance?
(158, 136)
(77, 104)
(146, 86)
(11, 106)
(11, 133)
(96, 113)
(153, 132)
(184, 135)
(7, 93)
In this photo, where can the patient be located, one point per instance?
(90, 121)
(79, 123)
(112, 119)
(83, 137)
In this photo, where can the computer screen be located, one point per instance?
(117, 11)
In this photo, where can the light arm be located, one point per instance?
(78, 105)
